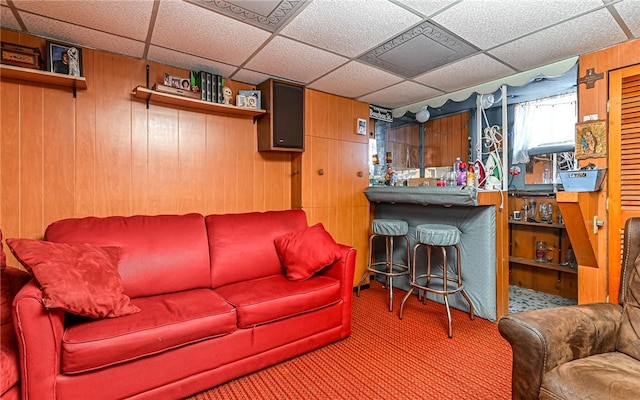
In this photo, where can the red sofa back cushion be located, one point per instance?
(158, 254)
(242, 245)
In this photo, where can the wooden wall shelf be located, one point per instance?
(144, 93)
(547, 265)
(35, 75)
(540, 224)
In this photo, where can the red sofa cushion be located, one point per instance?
(79, 278)
(10, 374)
(264, 300)
(242, 244)
(305, 252)
(152, 249)
(165, 322)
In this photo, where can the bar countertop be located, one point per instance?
(424, 195)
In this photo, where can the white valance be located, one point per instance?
(519, 79)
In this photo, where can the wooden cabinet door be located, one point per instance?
(624, 162)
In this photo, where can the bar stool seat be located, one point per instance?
(388, 229)
(440, 236)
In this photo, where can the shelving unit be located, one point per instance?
(537, 264)
(146, 94)
(35, 75)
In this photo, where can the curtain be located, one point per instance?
(548, 122)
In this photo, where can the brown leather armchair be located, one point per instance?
(587, 351)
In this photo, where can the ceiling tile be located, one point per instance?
(465, 73)
(83, 37)
(401, 94)
(629, 11)
(427, 7)
(354, 79)
(265, 14)
(535, 50)
(125, 18)
(247, 76)
(420, 49)
(349, 27)
(192, 29)
(187, 61)
(8, 20)
(492, 22)
(283, 57)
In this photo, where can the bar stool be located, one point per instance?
(440, 236)
(389, 229)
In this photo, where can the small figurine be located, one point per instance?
(227, 94)
(389, 176)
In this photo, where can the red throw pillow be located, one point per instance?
(79, 278)
(305, 252)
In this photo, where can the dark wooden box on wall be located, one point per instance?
(21, 56)
(282, 127)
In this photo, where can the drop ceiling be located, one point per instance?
(391, 53)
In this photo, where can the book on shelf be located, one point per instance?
(210, 91)
(219, 88)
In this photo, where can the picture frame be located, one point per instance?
(591, 139)
(361, 127)
(253, 98)
(63, 58)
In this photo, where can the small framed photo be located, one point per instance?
(253, 98)
(591, 139)
(361, 128)
(64, 58)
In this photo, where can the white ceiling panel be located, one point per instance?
(8, 20)
(628, 10)
(81, 36)
(349, 27)
(355, 79)
(397, 95)
(247, 76)
(188, 61)
(283, 57)
(468, 72)
(427, 7)
(549, 45)
(385, 51)
(204, 33)
(125, 18)
(488, 23)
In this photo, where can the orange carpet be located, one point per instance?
(386, 358)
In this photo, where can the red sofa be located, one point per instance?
(216, 303)
(11, 281)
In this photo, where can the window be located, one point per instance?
(544, 126)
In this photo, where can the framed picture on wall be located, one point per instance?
(591, 139)
(362, 126)
(64, 58)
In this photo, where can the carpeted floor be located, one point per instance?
(521, 299)
(386, 358)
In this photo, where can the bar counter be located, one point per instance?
(482, 218)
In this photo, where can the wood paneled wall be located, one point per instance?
(445, 139)
(601, 284)
(404, 144)
(104, 153)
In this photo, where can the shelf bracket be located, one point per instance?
(147, 80)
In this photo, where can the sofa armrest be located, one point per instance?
(343, 270)
(543, 339)
(39, 332)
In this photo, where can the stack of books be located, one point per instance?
(209, 85)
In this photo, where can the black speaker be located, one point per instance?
(282, 127)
